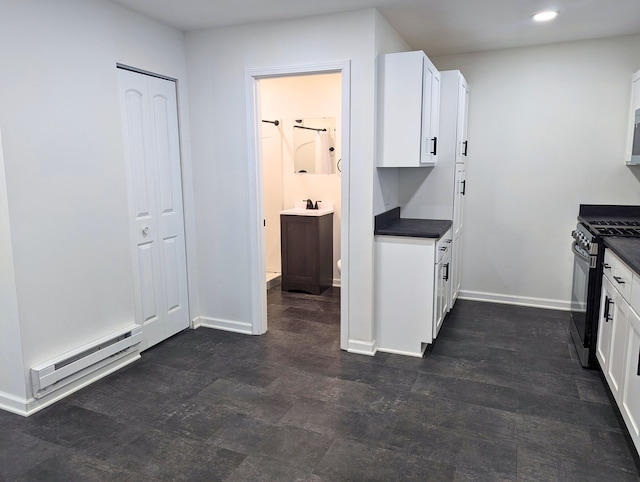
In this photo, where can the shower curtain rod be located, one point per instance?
(310, 128)
(275, 122)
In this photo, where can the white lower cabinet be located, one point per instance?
(618, 347)
(442, 281)
(605, 324)
(612, 332)
(410, 291)
(630, 406)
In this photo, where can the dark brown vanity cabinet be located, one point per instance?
(307, 252)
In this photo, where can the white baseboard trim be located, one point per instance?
(29, 406)
(362, 347)
(336, 282)
(13, 404)
(225, 325)
(515, 300)
(404, 353)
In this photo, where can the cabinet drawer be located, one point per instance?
(443, 246)
(609, 264)
(618, 273)
(622, 279)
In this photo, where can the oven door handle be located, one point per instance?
(579, 253)
(584, 256)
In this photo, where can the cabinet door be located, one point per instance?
(462, 148)
(460, 190)
(401, 110)
(299, 247)
(605, 324)
(635, 104)
(430, 113)
(617, 354)
(630, 406)
(441, 291)
(456, 269)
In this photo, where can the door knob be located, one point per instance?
(145, 231)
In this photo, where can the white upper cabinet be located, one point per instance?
(633, 126)
(462, 142)
(409, 111)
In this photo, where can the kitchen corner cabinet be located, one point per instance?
(618, 345)
(409, 111)
(412, 278)
(307, 252)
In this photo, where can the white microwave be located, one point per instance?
(635, 142)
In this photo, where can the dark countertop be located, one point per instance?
(390, 223)
(627, 249)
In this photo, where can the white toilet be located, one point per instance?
(339, 263)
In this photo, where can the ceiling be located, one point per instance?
(439, 27)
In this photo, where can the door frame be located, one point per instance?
(254, 149)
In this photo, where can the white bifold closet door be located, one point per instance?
(152, 154)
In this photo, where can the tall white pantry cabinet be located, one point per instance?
(441, 195)
(454, 114)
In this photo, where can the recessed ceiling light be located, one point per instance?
(545, 16)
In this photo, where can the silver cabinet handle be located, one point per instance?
(145, 231)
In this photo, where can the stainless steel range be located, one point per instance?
(594, 222)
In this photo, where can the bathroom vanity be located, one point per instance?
(412, 273)
(306, 242)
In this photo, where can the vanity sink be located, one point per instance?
(300, 209)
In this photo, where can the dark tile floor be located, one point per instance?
(500, 397)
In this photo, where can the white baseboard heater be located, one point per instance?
(71, 366)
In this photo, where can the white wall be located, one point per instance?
(300, 97)
(11, 365)
(386, 182)
(217, 62)
(547, 129)
(65, 173)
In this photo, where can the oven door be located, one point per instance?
(585, 303)
(580, 290)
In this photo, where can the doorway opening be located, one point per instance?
(297, 114)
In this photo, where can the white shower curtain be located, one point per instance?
(323, 157)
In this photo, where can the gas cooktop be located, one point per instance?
(611, 220)
(615, 231)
